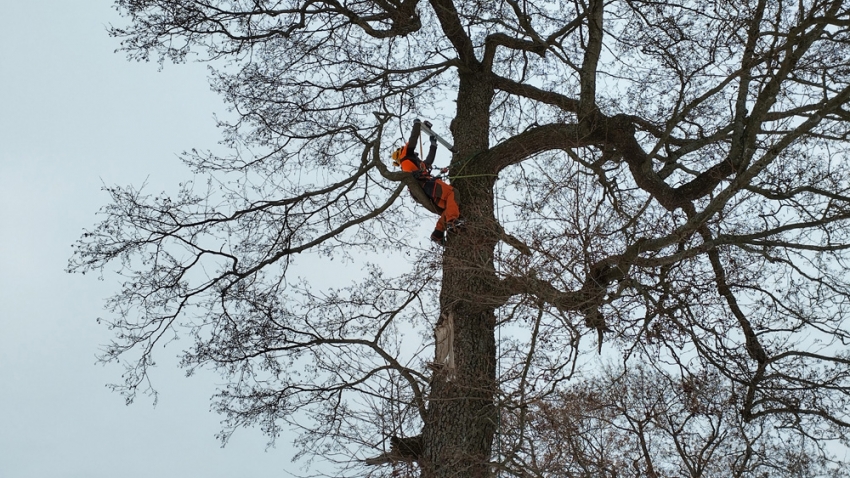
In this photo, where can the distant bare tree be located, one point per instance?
(667, 178)
(646, 422)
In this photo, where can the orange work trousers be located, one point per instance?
(443, 196)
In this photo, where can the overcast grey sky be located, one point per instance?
(75, 115)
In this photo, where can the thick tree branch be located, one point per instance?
(588, 72)
(454, 31)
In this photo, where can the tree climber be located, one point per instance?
(442, 195)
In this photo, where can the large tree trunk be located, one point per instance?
(462, 418)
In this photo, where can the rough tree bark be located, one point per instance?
(461, 421)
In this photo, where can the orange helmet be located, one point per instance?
(397, 156)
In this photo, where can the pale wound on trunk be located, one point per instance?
(444, 358)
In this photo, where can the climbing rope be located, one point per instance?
(461, 165)
(498, 337)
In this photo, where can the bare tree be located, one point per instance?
(645, 422)
(667, 179)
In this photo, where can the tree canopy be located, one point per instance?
(659, 186)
